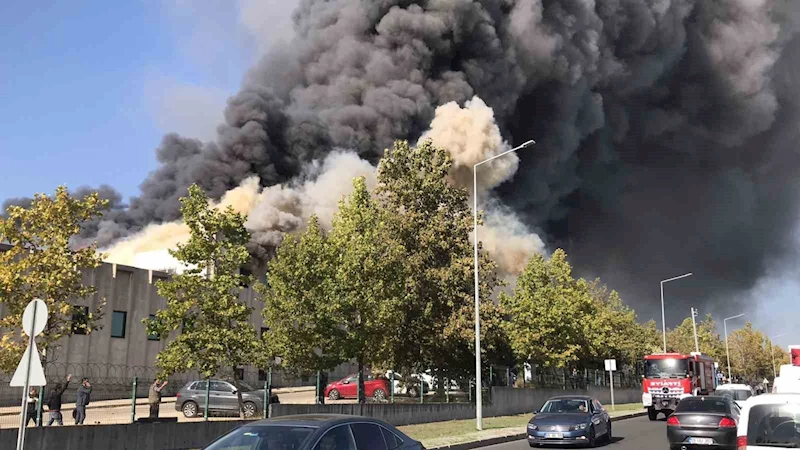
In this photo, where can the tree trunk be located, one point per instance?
(238, 392)
(362, 398)
(440, 383)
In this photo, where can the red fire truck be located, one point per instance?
(670, 376)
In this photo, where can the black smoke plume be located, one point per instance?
(665, 128)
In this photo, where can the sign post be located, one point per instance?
(611, 366)
(29, 371)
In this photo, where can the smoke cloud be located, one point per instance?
(665, 128)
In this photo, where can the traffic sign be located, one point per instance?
(30, 371)
(611, 364)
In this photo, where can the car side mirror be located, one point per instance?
(346, 382)
(535, 411)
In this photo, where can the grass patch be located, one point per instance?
(454, 428)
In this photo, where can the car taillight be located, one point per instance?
(178, 395)
(727, 422)
(673, 421)
(741, 443)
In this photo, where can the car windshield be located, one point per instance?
(565, 405)
(774, 426)
(702, 404)
(666, 368)
(269, 437)
(736, 394)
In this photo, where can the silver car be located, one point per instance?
(223, 398)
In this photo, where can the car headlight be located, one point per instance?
(578, 427)
(532, 426)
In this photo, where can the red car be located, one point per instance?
(375, 387)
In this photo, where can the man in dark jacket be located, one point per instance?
(54, 402)
(82, 400)
(154, 397)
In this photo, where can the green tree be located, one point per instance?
(750, 356)
(681, 338)
(354, 307)
(615, 332)
(549, 313)
(42, 264)
(433, 221)
(203, 303)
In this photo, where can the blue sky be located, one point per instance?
(89, 87)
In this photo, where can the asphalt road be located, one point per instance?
(631, 434)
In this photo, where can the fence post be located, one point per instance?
(269, 383)
(133, 400)
(421, 389)
(316, 391)
(391, 386)
(267, 398)
(491, 381)
(40, 406)
(470, 391)
(446, 390)
(208, 392)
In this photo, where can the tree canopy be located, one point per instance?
(42, 263)
(214, 330)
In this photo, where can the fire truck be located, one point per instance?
(670, 376)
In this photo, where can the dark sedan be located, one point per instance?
(707, 422)
(570, 420)
(316, 432)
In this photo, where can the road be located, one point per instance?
(630, 434)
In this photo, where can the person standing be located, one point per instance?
(30, 413)
(154, 397)
(82, 401)
(54, 402)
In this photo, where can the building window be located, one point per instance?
(80, 319)
(153, 337)
(118, 323)
(262, 375)
(240, 373)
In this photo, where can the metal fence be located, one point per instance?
(119, 393)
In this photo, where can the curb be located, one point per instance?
(516, 437)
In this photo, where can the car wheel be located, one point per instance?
(592, 438)
(334, 395)
(189, 409)
(379, 395)
(652, 414)
(413, 391)
(250, 409)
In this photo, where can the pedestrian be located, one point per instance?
(82, 401)
(30, 413)
(54, 402)
(154, 397)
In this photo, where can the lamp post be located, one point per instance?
(772, 351)
(694, 326)
(478, 396)
(663, 320)
(727, 352)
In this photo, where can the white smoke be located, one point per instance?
(470, 134)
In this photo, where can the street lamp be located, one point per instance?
(727, 352)
(478, 393)
(772, 351)
(663, 320)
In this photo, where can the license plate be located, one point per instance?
(554, 435)
(701, 441)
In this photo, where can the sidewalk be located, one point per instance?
(14, 410)
(450, 435)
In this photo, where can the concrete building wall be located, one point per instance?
(133, 291)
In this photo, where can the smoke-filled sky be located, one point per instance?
(665, 128)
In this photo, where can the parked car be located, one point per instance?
(738, 392)
(409, 385)
(770, 421)
(375, 387)
(704, 421)
(317, 432)
(569, 420)
(223, 398)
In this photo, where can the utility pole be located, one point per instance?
(694, 326)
